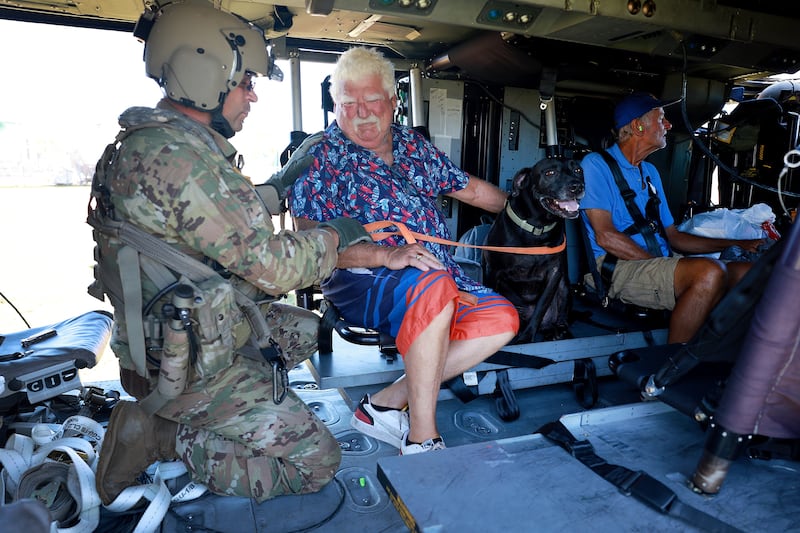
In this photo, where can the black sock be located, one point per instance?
(435, 439)
(382, 408)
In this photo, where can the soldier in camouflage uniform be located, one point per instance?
(173, 177)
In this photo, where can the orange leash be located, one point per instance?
(412, 237)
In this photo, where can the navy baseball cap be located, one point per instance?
(636, 105)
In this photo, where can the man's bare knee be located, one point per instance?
(700, 275)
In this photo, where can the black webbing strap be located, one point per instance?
(507, 406)
(502, 357)
(640, 224)
(505, 401)
(638, 484)
(600, 284)
(607, 268)
(584, 383)
(462, 391)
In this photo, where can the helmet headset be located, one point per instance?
(197, 54)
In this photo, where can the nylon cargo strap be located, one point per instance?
(57, 465)
(164, 254)
(638, 484)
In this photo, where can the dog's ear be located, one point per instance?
(520, 181)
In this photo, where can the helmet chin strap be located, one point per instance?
(220, 124)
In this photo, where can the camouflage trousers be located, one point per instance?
(235, 440)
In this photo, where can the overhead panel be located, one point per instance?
(404, 7)
(633, 34)
(117, 10)
(508, 15)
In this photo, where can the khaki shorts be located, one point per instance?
(647, 283)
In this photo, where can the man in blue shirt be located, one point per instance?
(651, 275)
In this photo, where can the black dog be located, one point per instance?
(541, 198)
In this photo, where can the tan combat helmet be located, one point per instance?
(198, 53)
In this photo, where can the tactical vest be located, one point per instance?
(199, 317)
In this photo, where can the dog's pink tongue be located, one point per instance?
(568, 205)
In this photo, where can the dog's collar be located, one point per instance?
(536, 230)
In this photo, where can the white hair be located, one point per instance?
(357, 64)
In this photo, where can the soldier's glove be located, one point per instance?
(273, 191)
(350, 232)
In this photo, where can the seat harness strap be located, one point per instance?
(154, 256)
(132, 293)
(142, 242)
(165, 254)
(640, 224)
(600, 284)
(638, 484)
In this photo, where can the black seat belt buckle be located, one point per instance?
(583, 451)
(649, 490)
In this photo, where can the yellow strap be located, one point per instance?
(411, 237)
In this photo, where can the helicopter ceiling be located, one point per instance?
(596, 44)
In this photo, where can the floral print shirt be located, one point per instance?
(346, 180)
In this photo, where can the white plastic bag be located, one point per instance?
(730, 223)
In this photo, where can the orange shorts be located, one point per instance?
(402, 303)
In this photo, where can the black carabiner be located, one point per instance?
(280, 376)
(280, 381)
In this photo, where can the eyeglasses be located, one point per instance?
(371, 103)
(248, 84)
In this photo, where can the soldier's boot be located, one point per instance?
(133, 441)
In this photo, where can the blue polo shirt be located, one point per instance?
(602, 193)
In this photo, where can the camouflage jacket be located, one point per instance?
(178, 183)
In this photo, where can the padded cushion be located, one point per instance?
(77, 343)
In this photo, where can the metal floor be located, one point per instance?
(529, 484)
(497, 476)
